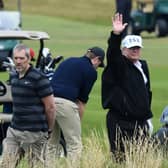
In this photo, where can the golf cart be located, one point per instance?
(9, 20)
(150, 16)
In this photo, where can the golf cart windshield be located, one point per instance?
(9, 20)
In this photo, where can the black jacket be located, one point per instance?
(123, 89)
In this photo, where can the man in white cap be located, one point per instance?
(125, 89)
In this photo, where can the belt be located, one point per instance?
(126, 123)
(131, 124)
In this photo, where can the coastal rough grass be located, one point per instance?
(140, 153)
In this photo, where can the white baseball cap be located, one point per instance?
(132, 41)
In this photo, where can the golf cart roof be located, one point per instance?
(22, 34)
(26, 35)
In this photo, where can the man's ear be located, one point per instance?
(124, 51)
(94, 60)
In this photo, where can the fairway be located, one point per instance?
(73, 27)
(72, 38)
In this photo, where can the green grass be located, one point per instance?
(72, 38)
(77, 25)
(92, 11)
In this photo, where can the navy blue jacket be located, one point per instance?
(74, 79)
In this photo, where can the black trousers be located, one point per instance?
(3, 131)
(120, 130)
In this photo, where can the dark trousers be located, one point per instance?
(3, 130)
(121, 131)
(124, 8)
(7, 108)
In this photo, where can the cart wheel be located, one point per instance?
(2, 89)
(161, 28)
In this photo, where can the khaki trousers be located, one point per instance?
(32, 144)
(67, 121)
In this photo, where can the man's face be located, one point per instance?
(133, 53)
(21, 61)
(96, 62)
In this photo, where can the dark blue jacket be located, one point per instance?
(74, 78)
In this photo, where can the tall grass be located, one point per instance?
(139, 154)
(142, 154)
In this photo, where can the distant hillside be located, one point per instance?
(93, 11)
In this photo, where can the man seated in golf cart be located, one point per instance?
(160, 137)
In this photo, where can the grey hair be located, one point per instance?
(20, 47)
